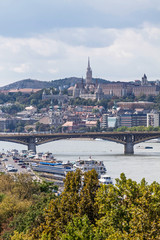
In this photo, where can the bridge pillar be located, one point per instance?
(129, 146)
(32, 145)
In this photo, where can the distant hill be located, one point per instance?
(27, 83)
(36, 84)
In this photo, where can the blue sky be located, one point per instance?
(52, 39)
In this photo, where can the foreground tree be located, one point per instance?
(78, 228)
(87, 196)
(129, 210)
(76, 200)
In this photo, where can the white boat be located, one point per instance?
(47, 156)
(105, 179)
(87, 165)
(144, 147)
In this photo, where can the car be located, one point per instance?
(9, 166)
(15, 158)
(20, 163)
(4, 159)
(23, 166)
(12, 169)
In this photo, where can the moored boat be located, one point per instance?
(148, 147)
(87, 165)
(105, 179)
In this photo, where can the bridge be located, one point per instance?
(128, 139)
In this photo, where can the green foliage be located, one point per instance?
(75, 201)
(47, 187)
(81, 101)
(40, 127)
(87, 196)
(79, 228)
(24, 186)
(13, 109)
(33, 216)
(128, 210)
(137, 129)
(103, 103)
(23, 201)
(121, 129)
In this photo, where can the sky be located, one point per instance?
(52, 39)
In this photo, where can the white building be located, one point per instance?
(153, 119)
(31, 109)
(104, 121)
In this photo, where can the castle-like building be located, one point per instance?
(88, 89)
(145, 88)
(138, 88)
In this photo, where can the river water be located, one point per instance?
(145, 163)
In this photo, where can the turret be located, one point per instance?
(144, 80)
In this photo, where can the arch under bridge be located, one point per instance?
(128, 139)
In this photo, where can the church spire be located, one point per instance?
(89, 74)
(89, 63)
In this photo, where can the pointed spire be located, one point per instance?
(89, 63)
(89, 73)
(82, 83)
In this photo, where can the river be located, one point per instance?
(145, 163)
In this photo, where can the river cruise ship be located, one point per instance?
(89, 164)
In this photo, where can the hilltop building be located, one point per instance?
(89, 74)
(115, 89)
(145, 88)
(88, 89)
(60, 97)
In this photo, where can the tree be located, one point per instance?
(128, 210)
(79, 228)
(87, 196)
(24, 186)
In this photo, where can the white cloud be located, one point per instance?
(53, 71)
(22, 68)
(116, 54)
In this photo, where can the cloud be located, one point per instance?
(22, 68)
(116, 54)
(25, 18)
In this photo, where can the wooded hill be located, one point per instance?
(37, 84)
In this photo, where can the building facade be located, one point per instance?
(104, 121)
(133, 120)
(88, 89)
(153, 119)
(115, 89)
